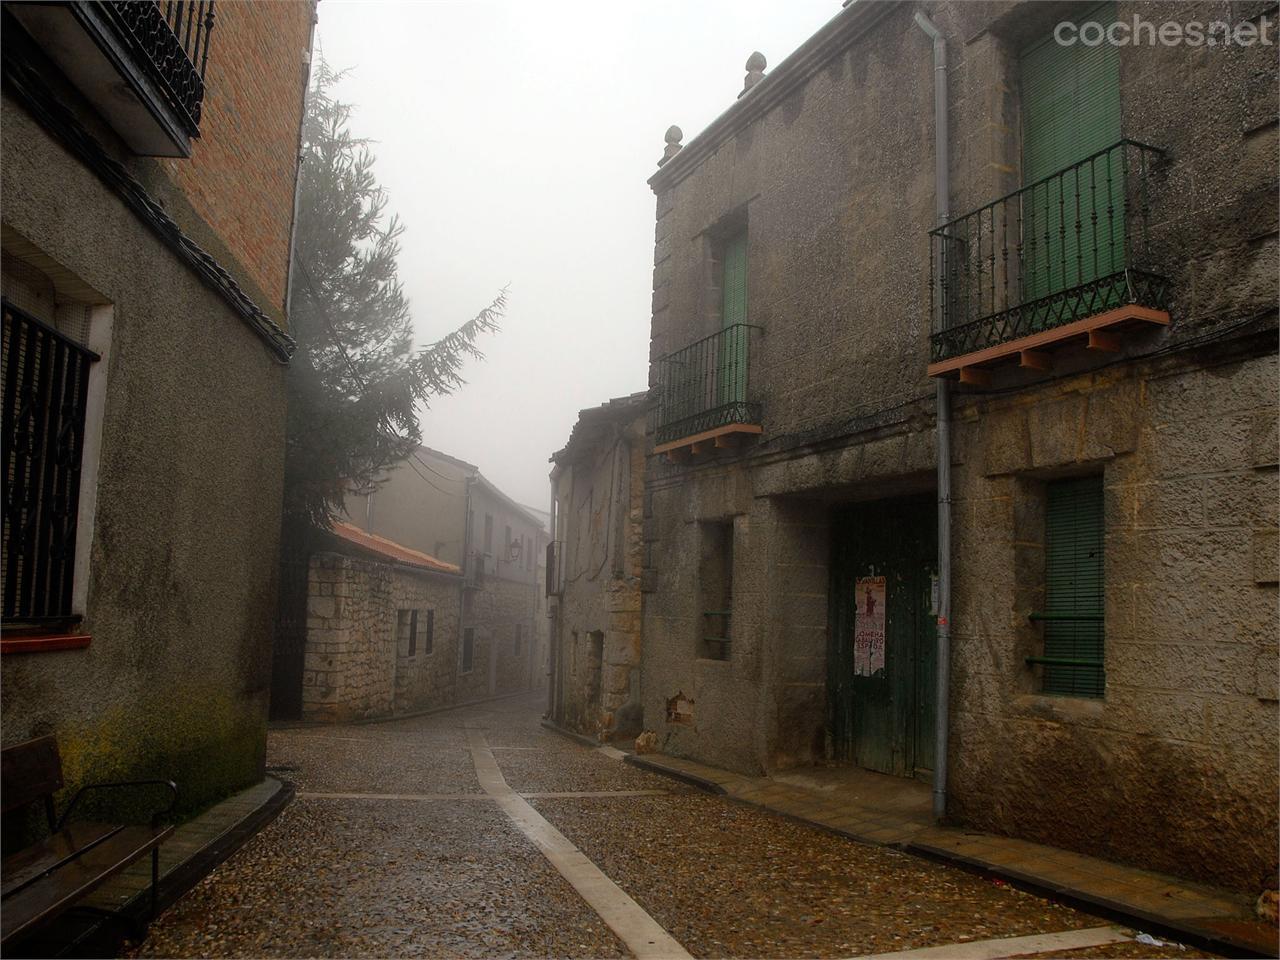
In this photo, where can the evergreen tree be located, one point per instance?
(356, 380)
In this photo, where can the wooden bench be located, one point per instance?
(39, 883)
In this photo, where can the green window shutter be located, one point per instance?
(733, 311)
(1073, 616)
(734, 281)
(1071, 111)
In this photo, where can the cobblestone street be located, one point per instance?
(404, 841)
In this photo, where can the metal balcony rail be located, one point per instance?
(45, 388)
(170, 43)
(1072, 245)
(704, 385)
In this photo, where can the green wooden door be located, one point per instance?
(1072, 212)
(881, 702)
(733, 311)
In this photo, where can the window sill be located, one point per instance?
(44, 643)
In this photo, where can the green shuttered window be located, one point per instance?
(1070, 112)
(1073, 615)
(733, 311)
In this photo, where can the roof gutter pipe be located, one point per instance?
(942, 193)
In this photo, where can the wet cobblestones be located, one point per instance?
(734, 881)
(384, 877)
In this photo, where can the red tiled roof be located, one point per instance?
(390, 550)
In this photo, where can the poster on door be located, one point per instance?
(868, 627)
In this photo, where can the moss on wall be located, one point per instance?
(207, 744)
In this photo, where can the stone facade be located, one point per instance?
(356, 667)
(447, 508)
(162, 669)
(502, 663)
(595, 622)
(828, 163)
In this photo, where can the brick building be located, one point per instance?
(1098, 537)
(148, 167)
(594, 578)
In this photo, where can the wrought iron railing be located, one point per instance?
(169, 40)
(704, 385)
(45, 388)
(1066, 247)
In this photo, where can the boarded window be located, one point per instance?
(468, 649)
(715, 573)
(1073, 614)
(429, 641)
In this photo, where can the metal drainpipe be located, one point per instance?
(553, 624)
(942, 193)
(297, 173)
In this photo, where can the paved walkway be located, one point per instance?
(889, 811)
(478, 833)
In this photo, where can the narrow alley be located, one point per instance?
(423, 837)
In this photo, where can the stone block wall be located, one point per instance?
(601, 685)
(1174, 768)
(1178, 758)
(353, 668)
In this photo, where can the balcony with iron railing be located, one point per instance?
(1067, 259)
(703, 396)
(140, 63)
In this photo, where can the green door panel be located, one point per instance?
(1072, 225)
(733, 312)
(882, 719)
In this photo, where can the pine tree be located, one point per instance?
(356, 381)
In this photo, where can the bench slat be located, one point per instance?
(28, 908)
(50, 853)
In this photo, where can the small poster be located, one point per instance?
(868, 627)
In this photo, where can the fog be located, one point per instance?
(514, 140)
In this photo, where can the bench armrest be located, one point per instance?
(155, 817)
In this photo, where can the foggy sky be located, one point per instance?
(514, 140)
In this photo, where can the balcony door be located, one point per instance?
(732, 360)
(1072, 210)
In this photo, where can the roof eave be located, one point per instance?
(831, 39)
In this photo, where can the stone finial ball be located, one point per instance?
(756, 61)
(674, 134)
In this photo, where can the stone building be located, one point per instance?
(445, 507)
(148, 166)
(382, 629)
(1099, 304)
(598, 488)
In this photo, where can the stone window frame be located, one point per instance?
(407, 631)
(724, 529)
(429, 640)
(72, 301)
(1030, 520)
(467, 651)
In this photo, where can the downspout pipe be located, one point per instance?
(942, 194)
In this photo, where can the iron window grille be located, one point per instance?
(45, 387)
(703, 386)
(1069, 246)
